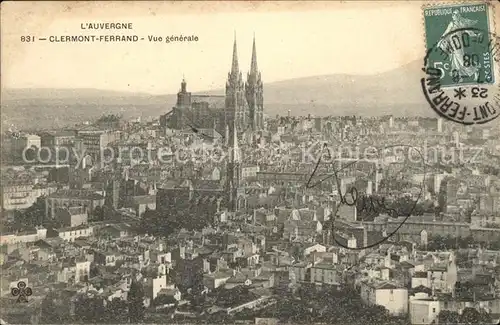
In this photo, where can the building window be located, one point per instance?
(433, 310)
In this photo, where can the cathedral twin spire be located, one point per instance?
(242, 101)
(245, 98)
(235, 66)
(253, 66)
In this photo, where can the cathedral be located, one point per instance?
(240, 110)
(241, 107)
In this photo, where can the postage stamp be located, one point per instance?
(467, 60)
(160, 159)
(461, 63)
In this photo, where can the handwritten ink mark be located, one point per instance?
(354, 192)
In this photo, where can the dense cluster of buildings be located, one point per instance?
(270, 215)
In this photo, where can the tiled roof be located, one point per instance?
(214, 101)
(167, 292)
(324, 266)
(386, 285)
(62, 133)
(406, 264)
(81, 194)
(80, 227)
(172, 184)
(76, 210)
(420, 275)
(207, 185)
(219, 275)
(421, 288)
(438, 268)
(238, 278)
(144, 199)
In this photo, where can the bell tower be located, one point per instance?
(254, 93)
(236, 106)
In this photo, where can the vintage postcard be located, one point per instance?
(250, 162)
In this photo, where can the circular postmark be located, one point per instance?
(461, 81)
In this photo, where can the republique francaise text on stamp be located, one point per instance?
(461, 63)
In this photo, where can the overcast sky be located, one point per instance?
(293, 40)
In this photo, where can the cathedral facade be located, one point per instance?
(242, 106)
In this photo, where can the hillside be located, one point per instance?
(394, 92)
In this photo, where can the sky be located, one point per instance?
(294, 39)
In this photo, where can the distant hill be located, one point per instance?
(53, 108)
(394, 92)
(59, 93)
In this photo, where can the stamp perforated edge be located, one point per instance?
(490, 19)
(489, 5)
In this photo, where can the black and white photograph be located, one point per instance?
(250, 162)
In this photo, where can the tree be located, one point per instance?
(164, 300)
(465, 242)
(495, 245)
(32, 216)
(448, 317)
(116, 311)
(450, 242)
(50, 312)
(110, 118)
(154, 223)
(59, 175)
(436, 243)
(90, 310)
(97, 214)
(470, 316)
(94, 270)
(135, 299)
(484, 317)
(167, 220)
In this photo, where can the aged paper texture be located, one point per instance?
(251, 162)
